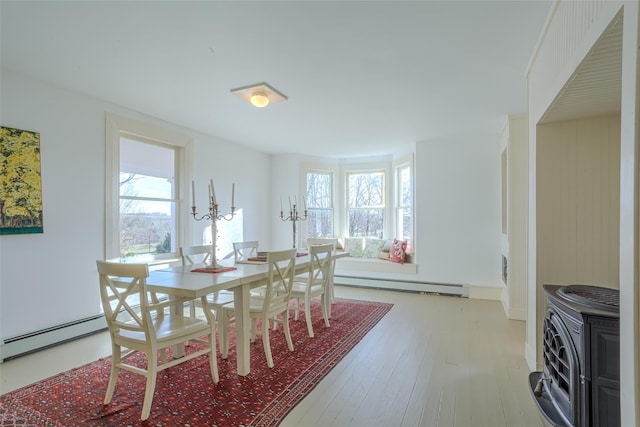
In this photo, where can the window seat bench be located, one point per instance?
(375, 265)
(384, 274)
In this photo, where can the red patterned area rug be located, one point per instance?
(185, 394)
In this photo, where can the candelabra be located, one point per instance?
(213, 215)
(293, 217)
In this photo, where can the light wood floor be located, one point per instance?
(431, 361)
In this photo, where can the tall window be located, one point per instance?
(404, 204)
(145, 167)
(148, 203)
(366, 204)
(319, 202)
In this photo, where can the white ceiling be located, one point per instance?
(362, 77)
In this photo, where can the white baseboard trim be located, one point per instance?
(402, 285)
(38, 340)
(493, 293)
(518, 314)
(505, 304)
(530, 358)
(512, 313)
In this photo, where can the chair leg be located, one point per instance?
(307, 315)
(224, 333)
(213, 356)
(116, 352)
(326, 305)
(254, 326)
(332, 292)
(297, 309)
(287, 332)
(152, 366)
(265, 341)
(163, 354)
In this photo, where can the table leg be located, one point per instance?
(243, 326)
(178, 309)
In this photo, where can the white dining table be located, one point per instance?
(182, 284)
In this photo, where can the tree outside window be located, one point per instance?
(366, 204)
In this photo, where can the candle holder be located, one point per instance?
(294, 217)
(214, 216)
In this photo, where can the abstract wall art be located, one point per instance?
(20, 182)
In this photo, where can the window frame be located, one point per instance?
(117, 126)
(385, 197)
(392, 189)
(331, 209)
(398, 206)
(173, 200)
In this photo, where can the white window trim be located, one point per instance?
(340, 208)
(333, 188)
(115, 126)
(322, 168)
(395, 166)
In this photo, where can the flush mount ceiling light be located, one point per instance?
(259, 95)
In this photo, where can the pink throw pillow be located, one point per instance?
(398, 251)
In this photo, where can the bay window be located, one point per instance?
(371, 200)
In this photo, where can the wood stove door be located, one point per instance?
(605, 371)
(561, 366)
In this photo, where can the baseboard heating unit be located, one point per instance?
(28, 343)
(402, 285)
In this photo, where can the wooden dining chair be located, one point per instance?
(138, 322)
(323, 241)
(273, 306)
(242, 251)
(196, 254)
(245, 250)
(315, 284)
(192, 255)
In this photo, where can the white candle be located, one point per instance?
(304, 202)
(289, 203)
(280, 205)
(213, 192)
(193, 194)
(233, 194)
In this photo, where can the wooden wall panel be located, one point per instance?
(578, 171)
(598, 212)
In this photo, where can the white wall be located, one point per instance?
(286, 183)
(226, 163)
(458, 211)
(49, 279)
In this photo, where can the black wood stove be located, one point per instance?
(580, 382)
